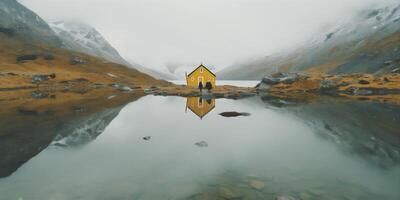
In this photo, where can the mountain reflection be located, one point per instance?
(29, 124)
(370, 130)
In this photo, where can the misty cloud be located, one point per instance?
(171, 34)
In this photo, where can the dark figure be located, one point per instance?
(208, 86)
(200, 86)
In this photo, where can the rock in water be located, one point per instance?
(147, 138)
(201, 144)
(227, 193)
(234, 114)
(285, 198)
(256, 184)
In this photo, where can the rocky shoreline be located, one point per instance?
(296, 86)
(385, 87)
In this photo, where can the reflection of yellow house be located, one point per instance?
(200, 106)
(200, 74)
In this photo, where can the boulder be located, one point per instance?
(39, 95)
(26, 57)
(77, 61)
(148, 91)
(343, 84)
(363, 82)
(363, 92)
(120, 87)
(327, 84)
(397, 70)
(39, 78)
(269, 80)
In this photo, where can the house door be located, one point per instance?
(200, 79)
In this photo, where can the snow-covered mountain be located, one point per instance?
(366, 43)
(18, 21)
(81, 37)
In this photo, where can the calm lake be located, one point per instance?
(178, 148)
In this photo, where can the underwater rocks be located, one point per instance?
(229, 193)
(256, 184)
(201, 144)
(234, 114)
(147, 138)
(285, 198)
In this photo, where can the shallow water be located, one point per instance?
(244, 83)
(288, 149)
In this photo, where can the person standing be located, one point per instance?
(208, 86)
(201, 86)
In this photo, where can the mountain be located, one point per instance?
(367, 43)
(18, 21)
(31, 50)
(86, 39)
(79, 36)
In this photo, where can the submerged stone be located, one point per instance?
(228, 193)
(147, 138)
(256, 184)
(285, 198)
(201, 144)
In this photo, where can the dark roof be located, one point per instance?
(199, 67)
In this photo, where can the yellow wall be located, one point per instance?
(200, 107)
(203, 74)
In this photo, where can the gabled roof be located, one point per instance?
(199, 67)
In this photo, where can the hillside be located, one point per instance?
(30, 49)
(368, 43)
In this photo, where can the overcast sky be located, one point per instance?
(155, 33)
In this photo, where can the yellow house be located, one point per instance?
(200, 74)
(199, 106)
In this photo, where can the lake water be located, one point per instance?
(245, 83)
(331, 150)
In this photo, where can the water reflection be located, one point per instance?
(200, 106)
(138, 151)
(32, 121)
(369, 130)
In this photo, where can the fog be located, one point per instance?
(160, 34)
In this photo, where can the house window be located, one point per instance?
(192, 79)
(201, 70)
